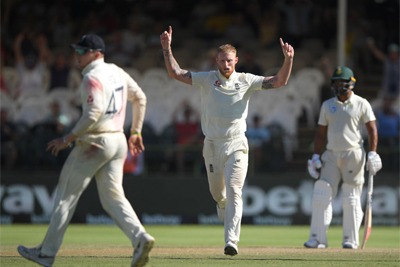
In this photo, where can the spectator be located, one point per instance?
(239, 31)
(153, 38)
(55, 125)
(209, 62)
(133, 38)
(257, 136)
(201, 15)
(388, 124)
(4, 86)
(268, 28)
(61, 121)
(249, 64)
(62, 74)
(391, 67)
(134, 164)
(61, 23)
(326, 23)
(31, 57)
(9, 151)
(188, 135)
(297, 19)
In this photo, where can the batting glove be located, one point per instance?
(374, 162)
(313, 165)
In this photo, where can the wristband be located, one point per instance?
(65, 142)
(136, 132)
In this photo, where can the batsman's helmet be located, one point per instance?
(342, 80)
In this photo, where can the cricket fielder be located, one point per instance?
(342, 163)
(100, 151)
(225, 97)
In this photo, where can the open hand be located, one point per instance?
(56, 145)
(135, 143)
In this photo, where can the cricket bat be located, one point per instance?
(368, 212)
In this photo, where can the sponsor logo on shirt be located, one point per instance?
(332, 109)
(217, 83)
(237, 87)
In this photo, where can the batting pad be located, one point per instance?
(352, 213)
(322, 211)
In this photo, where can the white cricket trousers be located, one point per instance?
(226, 163)
(104, 161)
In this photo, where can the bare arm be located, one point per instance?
(19, 58)
(372, 135)
(173, 68)
(45, 54)
(374, 50)
(320, 139)
(282, 77)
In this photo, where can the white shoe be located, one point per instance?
(142, 250)
(312, 243)
(33, 254)
(231, 249)
(349, 245)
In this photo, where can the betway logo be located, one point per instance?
(20, 199)
(285, 200)
(278, 201)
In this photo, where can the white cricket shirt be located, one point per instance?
(105, 89)
(345, 121)
(224, 102)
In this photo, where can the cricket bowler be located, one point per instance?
(225, 96)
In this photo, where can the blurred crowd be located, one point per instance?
(39, 82)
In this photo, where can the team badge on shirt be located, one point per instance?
(90, 99)
(237, 87)
(332, 109)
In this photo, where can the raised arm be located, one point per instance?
(376, 52)
(174, 71)
(282, 77)
(19, 58)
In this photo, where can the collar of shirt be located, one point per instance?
(223, 79)
(92, 65)
(348, 100)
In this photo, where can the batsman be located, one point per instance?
(342, 162)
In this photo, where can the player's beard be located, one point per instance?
(226, 72)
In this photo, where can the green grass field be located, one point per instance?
(199, 245)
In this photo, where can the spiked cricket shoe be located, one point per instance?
(349, 245)
(312, 243)
(231, 249)
(33, 254)
(142, 250)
